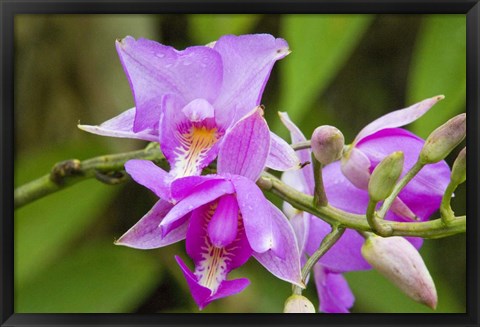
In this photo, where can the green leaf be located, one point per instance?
(320, 45)
(44, 228)
(439, 67)
(97, 278)
(207, 28)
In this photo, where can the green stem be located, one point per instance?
(327, 242)
(399, 187)
(319, 196)
(70, 172)
(427, 229)
(446, 211)
(108, 169)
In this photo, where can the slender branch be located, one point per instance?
(110, 167)
(328, 241)
(107, 169)
(427, 229)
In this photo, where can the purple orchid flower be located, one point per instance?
(346, 186)
(187, 100)
(225, 218)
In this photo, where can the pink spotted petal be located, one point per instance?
(285, 265)
(256, 213)
(304, 155)
(333, 291)
(154, 70)
(121, 126)
(147, 235)
(204, 193)
(222, 229)
(247, 63)
(151, 176)
(356, 167)
(281, 157)
(398, 118)
(245, 147)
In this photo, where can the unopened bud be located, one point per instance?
(385, 175)
(298, 304)
(327, 144)
(444, 139)
(459, 168)
(399, 261)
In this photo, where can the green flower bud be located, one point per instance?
(399, 261)
(384, 176)
(459, 169)
(444, 139)
(298, 304)
(327, 144)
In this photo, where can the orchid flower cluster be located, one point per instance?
(203, 106)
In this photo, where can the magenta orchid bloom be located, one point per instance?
(225, 218)
(346, 185)
(187, 100)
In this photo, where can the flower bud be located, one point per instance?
(444, 139)
(459, 168)
(298, 304)
(384, 176)
(327, 144)
(399, 261)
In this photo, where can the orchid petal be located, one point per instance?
(304, 155)
(247, 63)
(222, 229)
(256, 213)
(245, 147)
(281, 157)
(147, 235)
(188, 145)
(333, 291)
(356, 167)
(154, 70)
(151, 176)
(286, 266)
(398, 118)
(209, 260)
(121, 126)
(202, 295)
(182, 187)
(202, 194)
(198, 110)
(230, 287)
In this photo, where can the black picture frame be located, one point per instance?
(9, 8)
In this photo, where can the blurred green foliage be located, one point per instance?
(344, 70)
